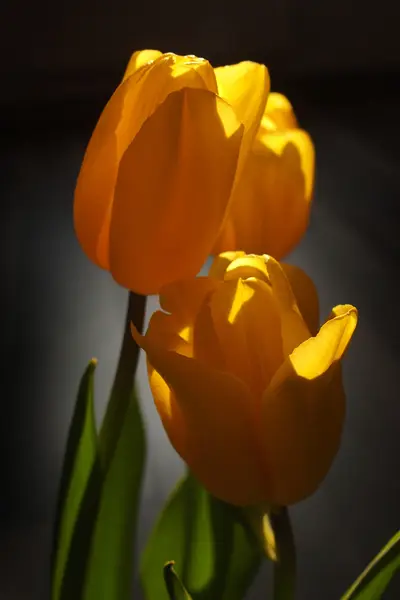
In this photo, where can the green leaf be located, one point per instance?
(374, 580)
(215, 554)
(80, 456)
(122, 449)
(175, 587)
(100, 557)
(110, 567)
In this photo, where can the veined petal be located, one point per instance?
(132, 103)
(185, 297)
(306, 295)
(219, 443)
(315, 356)
(248, 328)
(139, 59)
(294, 329)
(280, 111)
(303, 411)
(270, 206)
(246, 87)
(173, 330)
(246, 267)
(206, 345)
(222, 261)
(173, 189)
(164, 332)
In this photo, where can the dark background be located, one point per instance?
(339, 64)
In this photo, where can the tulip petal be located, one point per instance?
(306, 295)
(173, 189)
(248, 327)
(164, 332)
(280, 111)
(303, 411)
(139, 59)
(221, 262)
(132, 103)
(184, 298)
(246, 87)
(218, 442)
(294, 330)
(271, 203)
(206, 345)
(246, 267)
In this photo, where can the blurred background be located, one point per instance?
(339, 63)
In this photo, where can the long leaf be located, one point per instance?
(122, 448)
(110, 567)
(213, 551)
(374, 580)
(175, 587)
(99, 563)
(80, 456)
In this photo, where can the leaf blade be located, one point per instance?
(175, 587)
(80, 456)
(214, 553)
(374, 580)
(109, 571)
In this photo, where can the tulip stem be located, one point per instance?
(123, 381)
(285, 564)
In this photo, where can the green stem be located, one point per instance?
(285, 565)
(124, 378)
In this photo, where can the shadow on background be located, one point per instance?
(59, 310)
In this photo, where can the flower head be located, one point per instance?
(247, 385)
(187, 160)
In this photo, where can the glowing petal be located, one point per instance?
(132, 103)
(248, 266)
(245, 86)
(247, 325)
(185, 297)
(303, 411)
(280, 111)
(173, 189)
(294, 330)
(221, 262)
(221, 449)
(271, 203)
(139, 59)
(306, 295)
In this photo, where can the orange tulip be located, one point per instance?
(246, 383)
(163, 179)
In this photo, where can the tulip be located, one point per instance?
(247, 385)
(160, 187)
(271, 202)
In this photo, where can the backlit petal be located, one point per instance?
(271, 203)
(206, 345)
(185, 297)
(222, 261)
(306, 295)
(293, 327)
(248, 266)
(221, 449)
(245, 86)
(131, 104)
(280, 111)
(163, 332)
(248, 327)
(303, 411)
(173, 189)
(139, 59)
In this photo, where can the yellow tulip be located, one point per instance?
(246, 383)
(162, 184)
